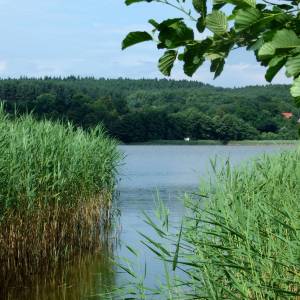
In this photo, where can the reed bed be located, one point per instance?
(247, 238)
(56, 188)
(240, 239)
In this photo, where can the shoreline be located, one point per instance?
(214, 143)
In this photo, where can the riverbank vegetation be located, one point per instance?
(56, 188)
(135, 111)
(240, 238)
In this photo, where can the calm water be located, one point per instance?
(147, 171)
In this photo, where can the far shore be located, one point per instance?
(216, 142)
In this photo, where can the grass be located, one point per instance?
(241, 237)
(56, 188)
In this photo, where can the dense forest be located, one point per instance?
(145, 110)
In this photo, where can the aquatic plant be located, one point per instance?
(56, 188)
(241, 237)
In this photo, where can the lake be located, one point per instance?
(148, 171)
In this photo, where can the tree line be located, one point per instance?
(151, 109)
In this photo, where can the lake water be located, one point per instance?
(148, 171)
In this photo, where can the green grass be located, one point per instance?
(56, 187)
(241, 236)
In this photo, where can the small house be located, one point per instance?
(287, 115)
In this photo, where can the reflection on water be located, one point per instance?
(88, 277)
(148, 171)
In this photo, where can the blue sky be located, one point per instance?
(83, 37)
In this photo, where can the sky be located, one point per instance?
(83, 37)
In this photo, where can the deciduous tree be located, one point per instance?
(269, 28)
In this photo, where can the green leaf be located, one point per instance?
(213, 56)
(134, 252)
(293, 66)
(267, 49)
(197, 5)
(217, 22)
(129, 2)
(295, 89)
(157, 245)
(242, 3)
(136, 37)
(256, 45)
(174, 33)
(193, 56)
(190, 68)
(217, 4)
(149, 221)
(201, 22)
(156, 252)
(246, 18)
(251, 3)
(283, 39)
(153, 23)
(200, 6)
(285, 6)
(168, 23)
(275, 66)
(217, 66)
(166, 62)
(126, 269)
(175, 260)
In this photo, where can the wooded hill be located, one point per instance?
(145, 109)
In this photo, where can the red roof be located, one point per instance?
(287, 115)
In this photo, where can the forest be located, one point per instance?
(135, 111)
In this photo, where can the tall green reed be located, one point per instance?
(45, 162)
(241, 237)
(56, 188)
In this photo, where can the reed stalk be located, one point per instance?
(56, 189)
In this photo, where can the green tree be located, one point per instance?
(271, 29)
(229, 127)
(45, 104)
(131, 128)
(194, 124)
(166, 109)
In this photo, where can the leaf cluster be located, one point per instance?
(269, 29)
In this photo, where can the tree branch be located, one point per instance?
(180, 8)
